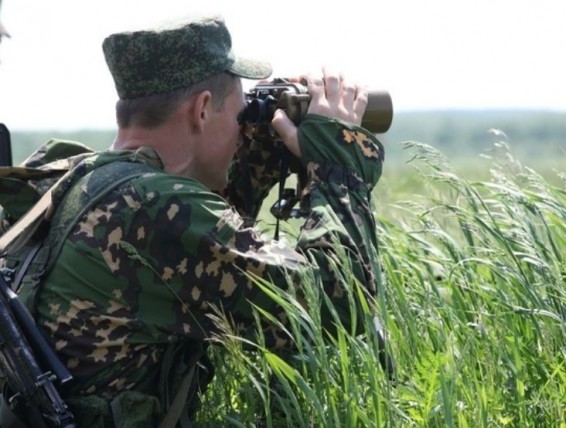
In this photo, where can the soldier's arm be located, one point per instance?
(202, 256)
(255, 169)
(344, 163)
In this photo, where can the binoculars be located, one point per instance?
(293, 98)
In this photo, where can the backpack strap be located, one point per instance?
(16, 282)
(20, 233)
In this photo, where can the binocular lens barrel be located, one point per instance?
(379, 112)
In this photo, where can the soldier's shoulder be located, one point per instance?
(170, 185)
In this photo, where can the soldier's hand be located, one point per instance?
(331, 96)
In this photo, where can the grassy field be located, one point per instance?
(473, 306)
(474, 309)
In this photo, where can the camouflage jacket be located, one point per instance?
(149, 263)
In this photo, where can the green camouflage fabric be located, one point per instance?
(22, 186)
(254, 171)
(154, 61)
(152, 260)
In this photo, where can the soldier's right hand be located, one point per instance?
(331, 96)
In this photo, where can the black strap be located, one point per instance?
(283, 172)
(5, 146)
(16, 283)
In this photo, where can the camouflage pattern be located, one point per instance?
(22, 186)
(56, 154)
(254, 171)
(150, 62)
(146, 267)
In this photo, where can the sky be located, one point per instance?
(429, 54)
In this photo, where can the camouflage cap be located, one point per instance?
(150, 62)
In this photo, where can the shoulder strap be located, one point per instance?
(20, 233)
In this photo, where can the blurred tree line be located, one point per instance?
(532, 134)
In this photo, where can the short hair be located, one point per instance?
(153, 110)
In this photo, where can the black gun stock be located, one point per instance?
(5, 146)
(30, 366)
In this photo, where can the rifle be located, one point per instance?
(5, 146)
(30, 366)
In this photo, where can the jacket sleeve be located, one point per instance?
(255, 169)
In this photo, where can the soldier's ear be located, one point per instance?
(201, 110)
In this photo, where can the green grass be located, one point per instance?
(474, 306)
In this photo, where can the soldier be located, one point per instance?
(150, 237)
